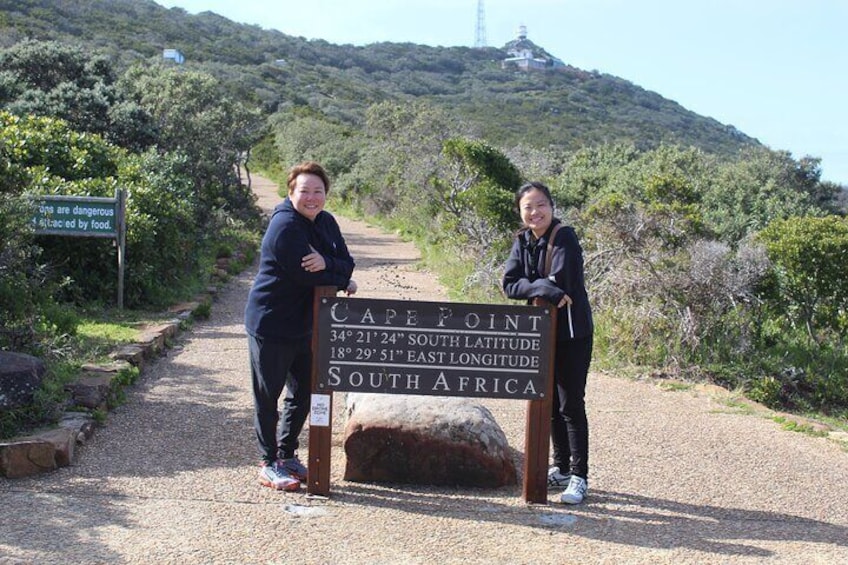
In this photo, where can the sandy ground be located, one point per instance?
(676, 477)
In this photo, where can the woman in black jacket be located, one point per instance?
(301, 249)
(546, 261)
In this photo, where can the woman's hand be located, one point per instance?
(313, 262)
(566, 301)
(351, 287)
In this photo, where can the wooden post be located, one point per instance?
(320, 436)
(538, 429)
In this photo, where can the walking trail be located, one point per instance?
(676, 476)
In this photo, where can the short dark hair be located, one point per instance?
(309, 168)
(527, 187)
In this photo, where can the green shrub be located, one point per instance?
(809, 285)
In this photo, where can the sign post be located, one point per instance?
(537, 432)
(441, 349)
(85, 216)
(320, 413)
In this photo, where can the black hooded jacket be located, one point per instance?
(523, 278)
(279, 306)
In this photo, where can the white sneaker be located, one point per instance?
(557, 479)
(576, 491)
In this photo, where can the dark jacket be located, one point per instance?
(279, 306)
(523, 279)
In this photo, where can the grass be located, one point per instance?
(800, 427)
(674, 386)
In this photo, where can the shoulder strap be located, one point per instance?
(549, 254)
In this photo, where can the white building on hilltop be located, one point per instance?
(526, 55)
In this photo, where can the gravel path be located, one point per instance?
(677, 477)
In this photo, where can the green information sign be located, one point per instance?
(85, 216)
(90, 216)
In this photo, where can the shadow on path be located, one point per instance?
(611, 517)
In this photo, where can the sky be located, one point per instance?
(777, 70)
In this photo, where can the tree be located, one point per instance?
(195, 116)
(810, 255)
(44, 156)
(763, 186)
(589, 171)
(479, 191)
(63, 81)
(397, 156)
(301, 134)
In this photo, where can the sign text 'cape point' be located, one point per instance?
(433, 348)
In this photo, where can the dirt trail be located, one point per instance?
(676, 477)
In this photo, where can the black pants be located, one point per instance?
(275, 365)
(569, 426)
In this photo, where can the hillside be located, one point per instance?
(565, 108)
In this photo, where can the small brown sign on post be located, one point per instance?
(436, 348)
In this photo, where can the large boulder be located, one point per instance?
(425, 440)
(20, 376)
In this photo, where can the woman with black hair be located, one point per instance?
(302, 248)
(546, 261)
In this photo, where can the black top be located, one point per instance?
(279, 306)
(523, 279)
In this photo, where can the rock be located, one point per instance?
(20, 376)
(425, 440)
(64, 443)
(91, 390)
(152, 342)
(36, 453)
(169, 329)
(81, 424)
(183, 308)
(133, 354)
(113, 367)
(23, 458)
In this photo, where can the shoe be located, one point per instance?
(557, 479)
(276, 477)
(294, 467)
(576, 491)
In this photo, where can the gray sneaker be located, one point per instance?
(294, 467)
(576, 491)
(557, 479)
(276, 477)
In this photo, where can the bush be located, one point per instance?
(165, 246)
(809, 286)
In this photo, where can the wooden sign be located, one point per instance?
(433, 348)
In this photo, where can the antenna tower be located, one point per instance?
(480, 36)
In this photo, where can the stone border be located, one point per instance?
(97, 388)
